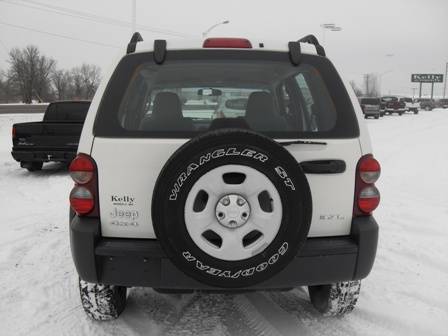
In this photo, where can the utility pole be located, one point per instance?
(134, 16)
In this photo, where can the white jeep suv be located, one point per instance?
(176, 192)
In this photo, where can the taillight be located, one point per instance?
(81, 169)
(83, 197)
(368, 199)
(227, 42)
(81, 200)
(13, 132)
(367, 196)
(369, 169)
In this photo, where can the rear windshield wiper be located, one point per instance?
(301, 142)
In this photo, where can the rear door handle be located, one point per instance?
(323, 166)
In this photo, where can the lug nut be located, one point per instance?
(244, 215)
(221, 215)
(240, 201)
(232, 222)
(225, 201)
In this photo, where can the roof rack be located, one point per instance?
(295, 53)
(311, 39)
(159, 47)
(159, 51)
(136, 37)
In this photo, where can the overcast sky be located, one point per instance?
(390, 37)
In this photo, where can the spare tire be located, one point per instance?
(231, 208)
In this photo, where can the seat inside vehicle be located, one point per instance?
(260, 113)
(166, 114)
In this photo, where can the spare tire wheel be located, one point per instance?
(231, 208)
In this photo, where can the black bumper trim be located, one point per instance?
(142, 262)
(42, 156)
(151, 249)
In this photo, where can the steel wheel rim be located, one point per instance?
(211, 235)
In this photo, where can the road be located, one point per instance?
(406, 293)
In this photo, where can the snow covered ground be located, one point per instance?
(406, 293)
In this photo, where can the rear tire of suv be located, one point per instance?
(337, 299)
(102, 302)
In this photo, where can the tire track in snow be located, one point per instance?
(216, 314)
(269, 318)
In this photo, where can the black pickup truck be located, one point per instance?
(53, 139)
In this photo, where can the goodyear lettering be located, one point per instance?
(248, 272)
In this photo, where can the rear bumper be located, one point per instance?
(43, 156)
(142, 262)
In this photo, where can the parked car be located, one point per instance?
(371, 107)
(392, 104)
(270, 198)
(442, 103)
(411, 105)
(55, 138)
(427, 104)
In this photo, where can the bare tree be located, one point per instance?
(77, 89)
(86, 79)
(29, 73)
(42, 87)
(371, 88)
(7, 91)
(91, 76)
(63, 82)
(2, 87)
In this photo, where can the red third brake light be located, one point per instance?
(226, 42)
(367, 196)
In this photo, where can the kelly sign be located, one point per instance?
(427, 78)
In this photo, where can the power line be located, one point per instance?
(91, 17)
(60, 35)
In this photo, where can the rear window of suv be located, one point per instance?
(199, 90)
